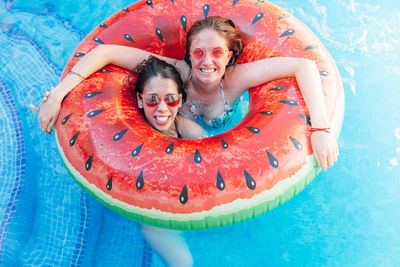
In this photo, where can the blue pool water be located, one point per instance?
(347, 216)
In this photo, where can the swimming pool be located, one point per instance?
(346, 216)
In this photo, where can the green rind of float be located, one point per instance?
(208, 221)
(223, 219)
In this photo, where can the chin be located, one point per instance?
(210, 77)
(161, 127)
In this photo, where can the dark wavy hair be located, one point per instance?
(150, 68)
(225, 27)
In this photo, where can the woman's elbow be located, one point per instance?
(305, 62)
(305, 66)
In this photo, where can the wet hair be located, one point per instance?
(153, 67)
(223, 26)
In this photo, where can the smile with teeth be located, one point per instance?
(208, 70)
(161, 118)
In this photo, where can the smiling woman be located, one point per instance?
(113, 153)
(160, 93)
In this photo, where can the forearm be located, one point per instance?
(309, 81)
(90, 63)
(122, 56)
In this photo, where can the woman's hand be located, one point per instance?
(325, 149)
(48, 112)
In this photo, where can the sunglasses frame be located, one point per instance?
(159, 99)
(205, 52)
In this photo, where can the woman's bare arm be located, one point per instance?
(189, 129)
(98, 57)
(244, 76)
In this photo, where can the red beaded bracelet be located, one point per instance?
(327, 130)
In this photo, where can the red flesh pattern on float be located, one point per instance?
(165, 175)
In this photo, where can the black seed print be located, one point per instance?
(109, 184)
(149, 3)
(206, 9)
(306, 118)
(224, 144)
(184, 22)
(276, 88)
(287, 33)
(79, 55)
(159, 34)
(106, 71)
(289, 102)
(272, 160)
(183, 198)
(137, 150)
(119, 135)
(170, 148)
(235, 2)
(197, 156)
(95, 113)
(88, 164)
(66, 118)
(172, 1)
(254, 130)
(268, 113)
(284, 16)
(140, 181)
(220, 182)
(296, 144)
(103, 25)
(251, 183)
(310, 47)
(324, 73)
(129, 38)
(90, 95)
(98, 40)
(73, 139)
(257, 18)
(125, 9)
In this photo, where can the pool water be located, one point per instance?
(346, 216)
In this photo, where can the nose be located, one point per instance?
(207, 57)
(162, 106)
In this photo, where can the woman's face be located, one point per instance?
(209, 55)
(163, 91)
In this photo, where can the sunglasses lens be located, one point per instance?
(152, 100)
(198, 53)
(218, 52)
(172, 100)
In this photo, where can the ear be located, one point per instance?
(230, 54)
(229, 57)
(139, 101)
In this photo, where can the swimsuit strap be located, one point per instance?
(222, 92)
(177, 129)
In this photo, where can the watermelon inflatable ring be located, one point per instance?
(194, 184)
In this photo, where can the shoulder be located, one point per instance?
(188, 128)
(183, 68)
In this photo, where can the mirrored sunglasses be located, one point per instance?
(152, 100)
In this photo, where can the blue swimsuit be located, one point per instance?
(217, 122)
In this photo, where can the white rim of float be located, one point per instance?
(235, 211)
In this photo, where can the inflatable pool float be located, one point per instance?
(194, 184)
